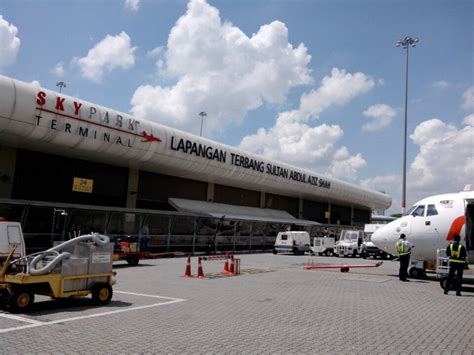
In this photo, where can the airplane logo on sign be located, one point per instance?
(150, 138)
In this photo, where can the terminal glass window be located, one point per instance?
(206, 229)
(225, 236)
(242, 235)
(39, 220)
(182, 233)
(157, 227)
(125, 224)
(42, 227)
(258, 235)
(87, 221)
(12, 213)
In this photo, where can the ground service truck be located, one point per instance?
(75, 268)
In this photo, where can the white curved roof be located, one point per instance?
(40, 119)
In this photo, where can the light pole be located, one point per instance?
(405, 43)
(202, 114)
(61, 84)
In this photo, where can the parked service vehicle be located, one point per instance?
(368, 248)
(292, 242)
(323, 245)
(349, 243)
(75, 268)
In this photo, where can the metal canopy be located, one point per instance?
(221, 210)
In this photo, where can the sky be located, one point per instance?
(316, 84)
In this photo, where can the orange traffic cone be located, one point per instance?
(226, 265)
(231, 269)
(200, 274)
(187, 272)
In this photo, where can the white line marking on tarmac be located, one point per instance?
(21, 319)
(144, 295)
(40, 324)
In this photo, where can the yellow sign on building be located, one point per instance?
(82, 185)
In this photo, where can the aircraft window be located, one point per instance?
(419, 211)
(410, 210)
(432, 211)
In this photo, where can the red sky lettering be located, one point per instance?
(59, 103)
(41, 98)
(77, 107)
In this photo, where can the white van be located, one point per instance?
(324, 245)
(292, 242)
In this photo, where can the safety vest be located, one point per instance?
(456, 254)
(401, 249)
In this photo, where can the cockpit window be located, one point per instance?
(410, 210)
(419, 211)
(432, 211)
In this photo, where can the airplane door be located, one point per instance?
(470, 225)
(432, 227)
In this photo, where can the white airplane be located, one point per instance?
(430, 225)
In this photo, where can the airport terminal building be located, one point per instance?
(66, 162)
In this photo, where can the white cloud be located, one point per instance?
(294, 141)
(468, 97)
(9, 42)
(132, 5)
(441, 84)
(444, 163)
(391, 185)
(58, 69)
(155, 52)
(337, 89)
(469, 120)
(220, 70)
(446, 156)
(381, 116)
(110, 53)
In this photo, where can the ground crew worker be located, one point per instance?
(457, 260)
(74, 232)
(404, 250)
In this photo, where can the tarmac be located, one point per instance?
(274, 306)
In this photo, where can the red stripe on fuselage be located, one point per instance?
(456, 227)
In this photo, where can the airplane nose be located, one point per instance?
(381, 238)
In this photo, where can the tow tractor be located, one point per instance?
(76, 268)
